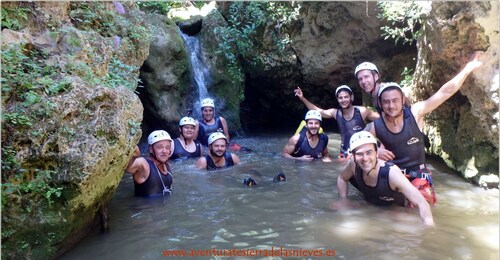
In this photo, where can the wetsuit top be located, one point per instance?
(205, 130)
(153, 184)
(211, 164)
(348, 128)
(381, 194)
(180, 152)
(407, 145)
(303, 148)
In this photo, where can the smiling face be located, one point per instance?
(365, 156)
(161, 150)
(391, 101)
(218, 147)
(344, 99)
(313, 126)
(367, 80)
(187, 131)
(207, 113)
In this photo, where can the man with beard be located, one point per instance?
(185, 146)
(380, 182)
(399, 127)
(309, 144)
(350, 119)
(152, 175)
(218, 157)
(209, 123)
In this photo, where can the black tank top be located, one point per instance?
(211, 165)
(381, 194)
(180, 152)
(205, 130)
(348, 128)
(153, 185)
(303, 148)
(408, 145)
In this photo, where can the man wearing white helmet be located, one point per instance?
(400, 127)
(218, 156)
(309, 144)
(368, 77)
(152, 175)
(380, 182)
(350, 119)
(185, 147)
(209, 122)
(369, 80)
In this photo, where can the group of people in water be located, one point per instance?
(384, 147)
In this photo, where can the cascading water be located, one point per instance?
(198, 68)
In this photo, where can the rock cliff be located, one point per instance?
(70, 118)
(464, 130)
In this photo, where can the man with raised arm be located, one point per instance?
(152, 175)
(350, 119)
(399, 127)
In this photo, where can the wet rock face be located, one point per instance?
(165, 76)
(80, 128)
(328, 40)
(463, 130)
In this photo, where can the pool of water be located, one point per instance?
(216, 211)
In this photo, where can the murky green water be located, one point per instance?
(214, 210)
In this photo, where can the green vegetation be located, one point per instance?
(406, 19)
(407, 77)
(15, 18)
(161, 7)
(238, 38)
(32, 186)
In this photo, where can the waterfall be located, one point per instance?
(198, 68)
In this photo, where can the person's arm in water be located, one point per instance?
(290, 146)
(328, 113)
(236, 158)
(138, 166)
(201, 163)
(343, 178)
(326, 156)
(420, 109)
(399, 182)
(224, 126)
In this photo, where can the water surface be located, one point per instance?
(215, 210)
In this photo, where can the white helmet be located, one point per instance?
(386, 85)
(216, 136)
(187, 121)
(361, 138)
(365, 66)
(207, 102)
(158, 135)
(346, 88)
(313, 114)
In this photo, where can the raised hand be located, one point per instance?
(298, 92)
